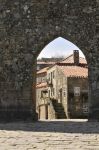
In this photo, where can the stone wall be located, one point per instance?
(51, 112)
(26, 26)
(42, 112)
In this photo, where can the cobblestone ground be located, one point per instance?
(50, 135)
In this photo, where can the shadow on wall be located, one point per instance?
(83, 127)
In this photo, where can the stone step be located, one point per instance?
(59, 109)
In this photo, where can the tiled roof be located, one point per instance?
(70, 59)
(74, 71)
(44, 70)
(41, 85)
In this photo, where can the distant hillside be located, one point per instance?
(53, 59)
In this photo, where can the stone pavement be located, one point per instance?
(50, 135)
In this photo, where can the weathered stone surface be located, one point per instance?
(26, 26)
(59, 135)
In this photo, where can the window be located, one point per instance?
(41, 94)
(49, 93)
(76, 91)
(49, 76)
(64, 92)
(53, 74)
(53, 91)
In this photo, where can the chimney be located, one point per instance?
(76, 57)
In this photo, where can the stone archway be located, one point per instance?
(26, 26)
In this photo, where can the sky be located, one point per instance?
(59, 47)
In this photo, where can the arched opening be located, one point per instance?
(62, 81)
(25, 31)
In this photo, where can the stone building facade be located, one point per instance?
(44, 107)
(26, 27)
(62, 89)
(62, 81)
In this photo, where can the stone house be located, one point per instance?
(69, 87)
(44, 107)
(66, 89)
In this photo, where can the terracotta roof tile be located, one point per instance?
(44, 70)
(41, 85)
(74, 71)
(70, 59)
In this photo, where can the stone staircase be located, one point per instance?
(59, 110)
